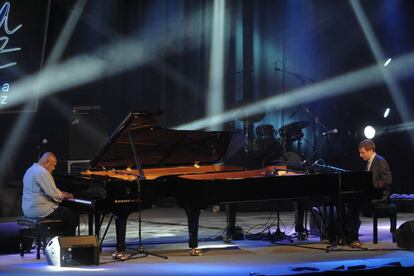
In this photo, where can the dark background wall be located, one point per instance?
(311, 41)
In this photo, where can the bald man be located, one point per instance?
(41, 197)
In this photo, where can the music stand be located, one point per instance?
(140, 249)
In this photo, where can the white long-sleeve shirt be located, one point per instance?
(40, 194)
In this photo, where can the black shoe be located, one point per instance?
(302, 235)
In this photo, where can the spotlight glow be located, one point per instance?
(390, 79)
(387, 62)
(73, 269)
(369, 132)
(407, 126)
(219, 246)
(387, 112)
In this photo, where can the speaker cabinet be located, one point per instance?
(404, 235)
(72, 251)
(87, 135)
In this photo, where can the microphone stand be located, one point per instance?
(315, 130)
(303, 79)
(38, 153)
(140, 249)
(39, 146)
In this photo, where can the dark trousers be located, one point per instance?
(69, 219)
(299, 208)
(351, 221)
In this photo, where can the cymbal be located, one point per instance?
(252, 118)
(298, 124)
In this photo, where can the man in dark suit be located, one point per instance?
(381, 173)
(381, 179)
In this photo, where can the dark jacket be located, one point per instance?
(381, 174)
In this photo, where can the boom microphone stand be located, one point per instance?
(140, 249)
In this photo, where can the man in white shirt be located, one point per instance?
(41, 197)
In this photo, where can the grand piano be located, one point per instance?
(143, 162)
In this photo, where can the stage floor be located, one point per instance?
(164, 232)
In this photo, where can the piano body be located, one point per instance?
(144, 161)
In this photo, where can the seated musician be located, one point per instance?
(299, 209)
(41, 198)
(381, 179)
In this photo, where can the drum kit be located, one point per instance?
(266, 146)
(281, 148)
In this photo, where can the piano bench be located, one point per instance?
(382, 210)
(38, 229)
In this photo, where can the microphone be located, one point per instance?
(332, 131)
(43, 142)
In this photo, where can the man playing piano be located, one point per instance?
(381, 179)
(381, 173)
(41, 198)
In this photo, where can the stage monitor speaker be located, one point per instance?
(87, 135)
(405, 235)
(72, 251)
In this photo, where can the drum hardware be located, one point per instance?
(293, 131)
(248, 122)
(315, 130)
(265, 131)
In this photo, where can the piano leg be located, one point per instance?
(97, 225)
(120, 225)
(193, 215)
(90, 224)
(333, 227)
(231, 221)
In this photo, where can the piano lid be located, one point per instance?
(159, 147)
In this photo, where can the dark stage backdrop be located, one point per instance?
(22, 32)
(270, 48)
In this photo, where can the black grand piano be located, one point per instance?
(143, 162)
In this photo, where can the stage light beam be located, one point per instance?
(390, 79)
(403, 67)
(24, 120)
(215, 101)
(117, 57)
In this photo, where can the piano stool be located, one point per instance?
(38, 229)
(382, 210)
